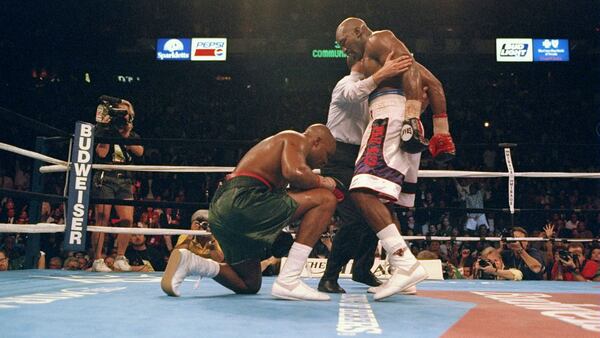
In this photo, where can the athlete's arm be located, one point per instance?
(348, 91)
(354, 92)
(435, 91)
(380, 45)
(294, 168)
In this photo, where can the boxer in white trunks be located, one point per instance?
(388, 161)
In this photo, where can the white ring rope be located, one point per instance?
(32, 154)
(422, 173)
(61, 166)
(54, 228)
(145, 168)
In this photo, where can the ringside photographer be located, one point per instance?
(490, 266)
(571, 265)
(114, 119)
(518, 255)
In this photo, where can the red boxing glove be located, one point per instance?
(442, 147)
(333, 185)
(340, 190)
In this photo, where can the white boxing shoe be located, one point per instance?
(183, 263)
(122, 264)
(401, 280)
(100, 266)
(411, 290)
(299, 291)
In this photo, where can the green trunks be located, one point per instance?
(246, 216)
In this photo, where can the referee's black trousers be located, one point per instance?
(355, 239)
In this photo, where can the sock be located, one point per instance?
(294, 265)
(212, 269)
(392, 241)
(204, 267)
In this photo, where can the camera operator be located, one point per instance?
(114, 119)
(203, 246)
(518, 255)
(491, 266)
(571, 265)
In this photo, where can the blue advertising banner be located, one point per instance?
(550, 50)
(79, 187)
(173, 49)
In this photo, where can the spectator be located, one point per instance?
(595, 256)
(55, 263)
(572, 265)
(203, 246)
(71, 263)
(573, 222)
(14, 252)
(582, 231)
(142, 257)
(322, 248)
(435, 248)
(4, 261)
(466, 262)
(446, 229)
(491, 266)
(23, 218)
(10, 217)
(110, 261)
(517, 255)
(474, 197)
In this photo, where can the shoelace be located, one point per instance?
(197, 284)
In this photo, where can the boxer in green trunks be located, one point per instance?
(252, 206)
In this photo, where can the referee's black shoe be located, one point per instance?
(330, 286)
(368, 278)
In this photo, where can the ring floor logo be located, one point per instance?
(173, 49)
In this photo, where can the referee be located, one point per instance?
(347, 119)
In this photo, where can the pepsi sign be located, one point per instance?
(550, 50)
(209, 49)
(173, 49)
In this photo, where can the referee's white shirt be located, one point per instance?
(349, 108)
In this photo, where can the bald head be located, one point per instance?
(319, 130)
(322, 145)
(352, 35)
(348, 25)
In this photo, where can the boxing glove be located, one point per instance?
(442, 148)
(340, 190)
(412, 136)
(335, 186)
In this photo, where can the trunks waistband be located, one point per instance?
(374, 95)
(249, 174)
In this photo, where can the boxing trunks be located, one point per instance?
(381, 165)
(247, 214)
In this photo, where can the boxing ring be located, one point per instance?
(54, 303)
(49, 303)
